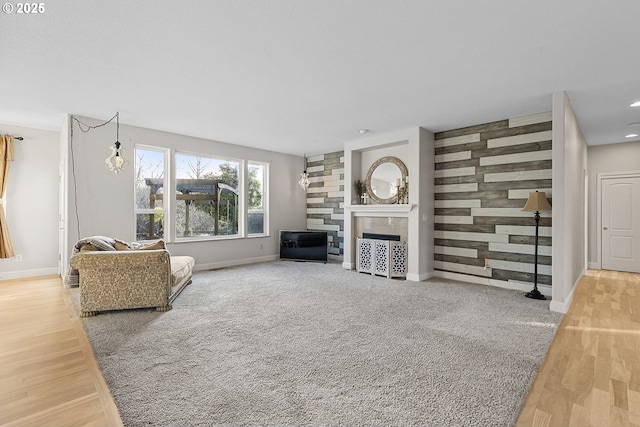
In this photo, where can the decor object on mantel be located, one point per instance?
(304, 177)
(537, 202)
(384, 179)
(359, 188)
(403, 190)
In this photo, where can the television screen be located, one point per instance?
(303, 245)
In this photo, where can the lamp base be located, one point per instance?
(535, 294)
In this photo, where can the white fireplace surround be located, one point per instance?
(380, 210)
(415, 147)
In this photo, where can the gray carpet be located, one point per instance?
(288, 343)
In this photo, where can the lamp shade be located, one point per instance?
(537, 202)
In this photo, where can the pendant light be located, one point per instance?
(116, 162)
(304, 177)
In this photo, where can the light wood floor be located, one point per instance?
(590, 377)
(48, 374)
(591, 374)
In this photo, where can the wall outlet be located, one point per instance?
(18, 258)
(260, 246)
(487, 264)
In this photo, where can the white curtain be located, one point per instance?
(6, 156)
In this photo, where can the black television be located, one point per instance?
(303, 245)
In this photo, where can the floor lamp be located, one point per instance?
(537, 202)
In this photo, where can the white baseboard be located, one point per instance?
(232, 263)
(348, 266)
(421, 277)
(517, 286)
(23, 274)
(563, 307)
(560, 307)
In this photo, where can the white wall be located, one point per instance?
(569, 168)
(622, 157)
(421, 219)
(32, 203)
(105, 200)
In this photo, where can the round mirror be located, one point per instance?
(383, 179)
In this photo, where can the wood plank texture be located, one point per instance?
(591, 374)
(530, 120)
(325, 198)
(499, 164)
(49, 375)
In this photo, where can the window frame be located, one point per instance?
(241, 197)
(166, 202)
(170, 172)
(265, 198)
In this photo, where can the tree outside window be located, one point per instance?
(207, 196)
(149, 196)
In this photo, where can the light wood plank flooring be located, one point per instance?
(48, 374)
(591, 374)
(590, 377)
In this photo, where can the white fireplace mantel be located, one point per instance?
(415, 147)
(399, 210)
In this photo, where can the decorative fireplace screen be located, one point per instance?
(381, 257)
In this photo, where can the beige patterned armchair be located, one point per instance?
(115, 280)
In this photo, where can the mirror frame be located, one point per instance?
(387, 159)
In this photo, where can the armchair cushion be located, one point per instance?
(181, 267)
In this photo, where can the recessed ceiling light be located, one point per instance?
(634, 124)
(635, 104)
(631, 135)
(363, 131)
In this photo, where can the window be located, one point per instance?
(205, 200)
(150, 206)
(207, 196)
(256, 198)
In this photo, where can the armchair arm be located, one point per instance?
(112, 280)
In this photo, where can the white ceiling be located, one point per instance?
(304, 76)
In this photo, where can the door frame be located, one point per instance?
(602, 176)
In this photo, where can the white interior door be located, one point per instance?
(621, 224)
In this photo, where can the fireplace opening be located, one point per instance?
(378, 236)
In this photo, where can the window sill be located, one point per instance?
(206, 239)
(216, 238)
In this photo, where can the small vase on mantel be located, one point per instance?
(359, 189)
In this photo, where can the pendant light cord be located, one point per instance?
(84, 128)
(87, 127)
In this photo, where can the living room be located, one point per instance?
(304, 88)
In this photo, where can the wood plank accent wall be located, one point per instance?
(325, 198)
(483, 176)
